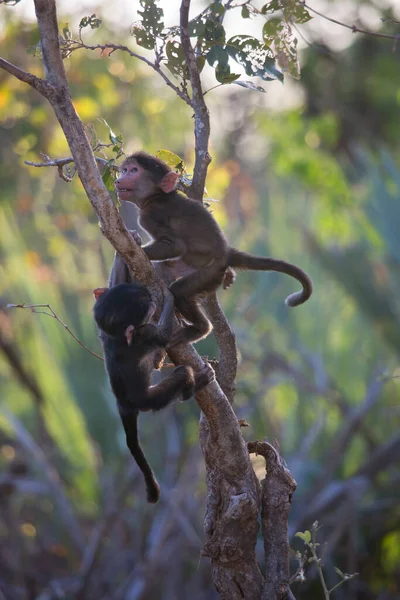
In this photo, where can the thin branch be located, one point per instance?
(201, 115)
(38, 84)
(60, 163)
(213, 88)
(155, 67)
(318, 562)
(353, 28)
(54, 315)
(342, 581)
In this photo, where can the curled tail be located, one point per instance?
(132, 440)
(241, 260)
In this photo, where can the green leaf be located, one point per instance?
(214, 32)
(143, 37)
(172, 160)
(217, 9)
(93, 22)
(200, 61)
(245, 12)
(108, 177)
(152, 16)
(299, 14)
(256, 57)
(306, 536)
(272, 28)
(67, 32)
(278, 32)
(217, 54)
(224, 75)
(112, 136)
(150, 26)
(197, 27)
(250, 86)
(271, 7)
(176, 59)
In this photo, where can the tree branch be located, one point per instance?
(60, 163)
(60, 98)
(201, 116)
(277, 490)
(38, 84)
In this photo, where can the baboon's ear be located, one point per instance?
(169, 181)
(98, 292)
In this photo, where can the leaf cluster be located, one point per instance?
(265, 58)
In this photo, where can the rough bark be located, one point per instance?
(277, 490)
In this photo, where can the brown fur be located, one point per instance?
(183, 229)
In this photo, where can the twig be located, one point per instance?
(60, 163)
(54, 315)
(312, 545)
(155, 67)
(353, 28)
(318, 561)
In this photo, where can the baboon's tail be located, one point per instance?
(244, 261)
(132, 439)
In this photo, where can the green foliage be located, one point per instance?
(93, 22)
(305, 536)
(257, 58)
(176, 59)
(278, 32)
(150, 26)
(314, 555)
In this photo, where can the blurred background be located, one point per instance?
(308, 172)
